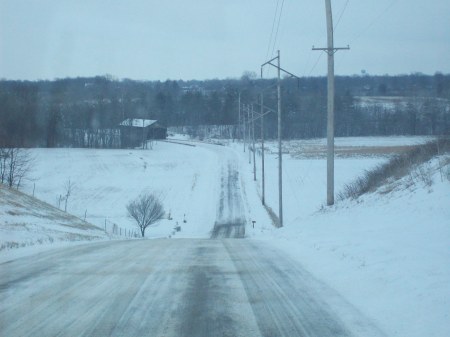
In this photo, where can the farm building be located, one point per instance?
(133, 131)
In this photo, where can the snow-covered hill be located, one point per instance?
(28, 222)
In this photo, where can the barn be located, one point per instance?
(133, 131)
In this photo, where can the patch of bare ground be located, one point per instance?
(350, 151)
(372, 150)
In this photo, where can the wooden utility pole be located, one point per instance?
(243, 125)
(143, 134)
(330, 50)
(330, 106)
(239, 115)
(253, 138)
(280, 162)
(261, 117)
(262, 151)
(249, 135)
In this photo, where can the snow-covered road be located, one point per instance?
(230, 219)
(186, 287)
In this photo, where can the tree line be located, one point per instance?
(77, 111)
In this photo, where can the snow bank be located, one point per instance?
(387, 252)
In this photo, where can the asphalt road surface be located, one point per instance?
(170, 288)
(230, 221)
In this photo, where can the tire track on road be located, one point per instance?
(230, 220)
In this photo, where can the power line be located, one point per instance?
(271, 33)
(307, 63)
(340, 15)
(315, 64)
(278, 27)
(363, 31)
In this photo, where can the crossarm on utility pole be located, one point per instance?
(267, 108)
(331, 51)
(262, 65)
(283, 70)
(258, 116)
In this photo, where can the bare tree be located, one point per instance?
(68, 188)
(15, 163)
(146, 210)
(4, 158)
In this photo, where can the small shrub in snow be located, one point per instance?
(423, 174)
(9, 245)
(444, 168)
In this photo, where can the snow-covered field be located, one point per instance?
(392, 102)
(106, 180)
(387, 253)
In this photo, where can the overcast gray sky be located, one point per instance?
(204, 39)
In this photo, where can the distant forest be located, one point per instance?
(44, 113)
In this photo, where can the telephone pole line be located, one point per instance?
(243, 125)
(239, 114)
(249, 135)
(261, 117)
(262, 152)
(330, 50)
(253, 136)
(280, 162)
